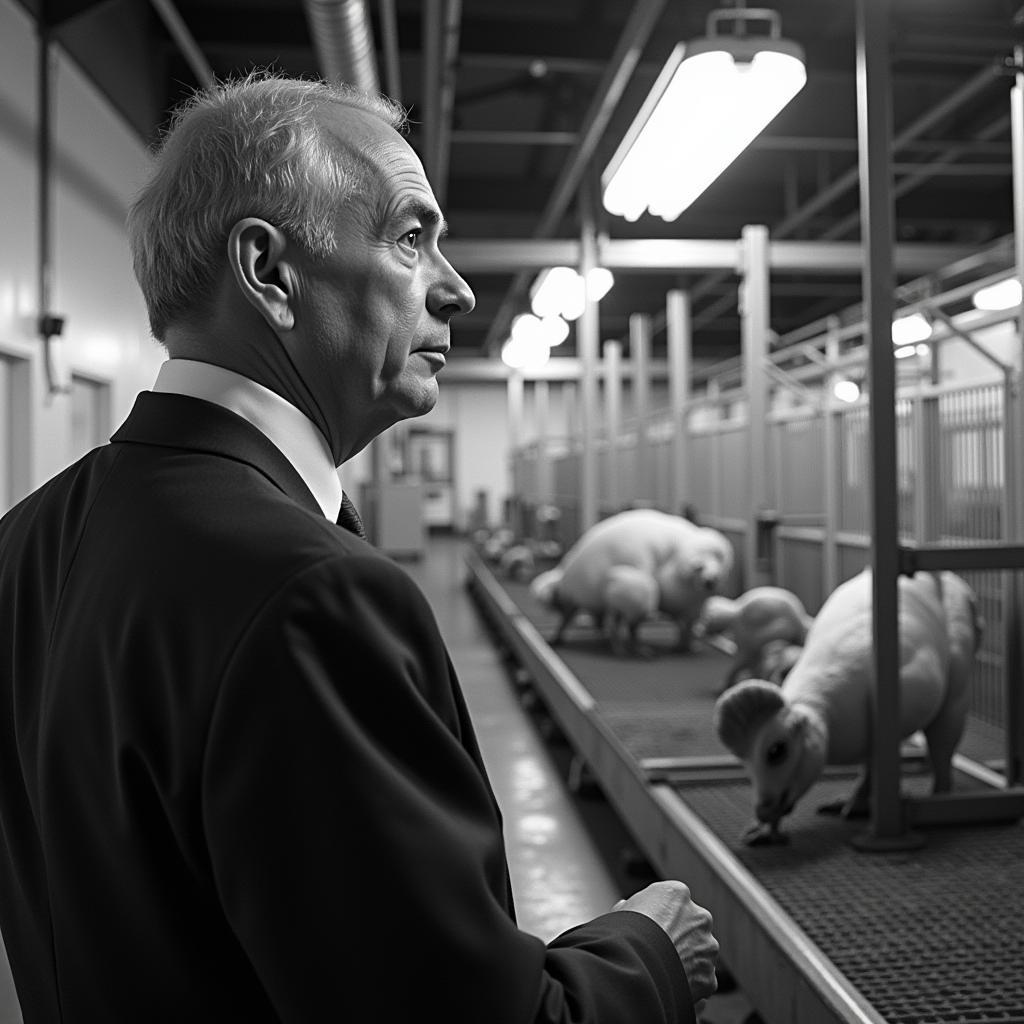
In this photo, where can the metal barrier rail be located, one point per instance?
(785, 975)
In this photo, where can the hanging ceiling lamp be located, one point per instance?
(563, 292)
(712, 98)
(1002, 295)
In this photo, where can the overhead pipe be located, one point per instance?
(343, 39)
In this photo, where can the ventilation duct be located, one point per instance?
(343, 39)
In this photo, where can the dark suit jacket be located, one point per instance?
(237, 777)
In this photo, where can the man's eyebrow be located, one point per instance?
(424, 212)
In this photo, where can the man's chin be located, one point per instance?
(418, 401)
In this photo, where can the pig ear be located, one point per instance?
(742, 710)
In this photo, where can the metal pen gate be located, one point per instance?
(952, 489)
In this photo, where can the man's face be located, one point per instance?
(372, 319)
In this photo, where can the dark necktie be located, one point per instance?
(349, 517)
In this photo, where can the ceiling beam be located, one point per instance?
(185, 41)
(469, 370)
(681, 255)
(977, 83)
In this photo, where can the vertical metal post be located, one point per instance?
(587, 342)
(613, 419)
(874, 137)
(1017, 142)
(714, 398)
(640, 357)
(566, 470)
(570, 399)
(679, 337)
(927, 466)
(541, 417)
(831, 463)
(514, 392)
(754, 327)
(1013, 416)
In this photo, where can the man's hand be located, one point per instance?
(688, 925)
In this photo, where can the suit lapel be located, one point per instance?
(179, 421)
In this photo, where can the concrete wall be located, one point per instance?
(98, 164)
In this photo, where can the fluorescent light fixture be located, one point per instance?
(846, 390)
(909, 330)
(561, 291)
(525, 352)
(1002, 295)
(906, 351)
(553, 330)
(531, 330)
(552, 289)
(712, 99)
(526, 328)
(599, 283)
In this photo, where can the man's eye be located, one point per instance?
(411, 238)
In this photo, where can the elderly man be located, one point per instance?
(237, 777)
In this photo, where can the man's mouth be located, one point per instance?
(433, 355)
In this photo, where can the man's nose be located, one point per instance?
(450, 295)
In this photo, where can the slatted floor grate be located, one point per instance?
(933, 936)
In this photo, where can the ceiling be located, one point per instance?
(540, 93)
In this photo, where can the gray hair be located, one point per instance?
(254, 147)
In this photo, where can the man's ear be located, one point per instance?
(260, 261)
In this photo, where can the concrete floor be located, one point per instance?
(568, 854)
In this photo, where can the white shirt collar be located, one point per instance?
(298, 438)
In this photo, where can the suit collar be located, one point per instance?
(179, 421)
(290, 429)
